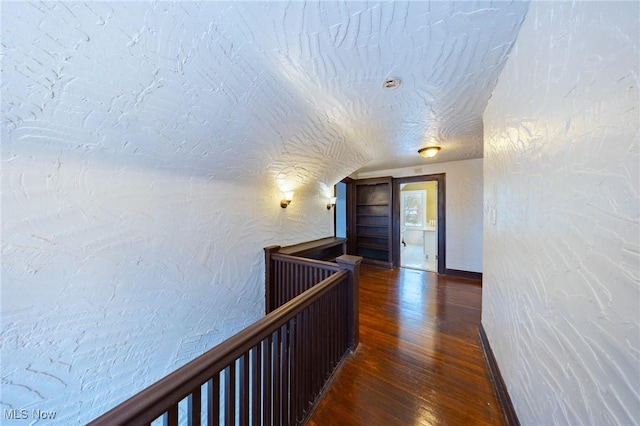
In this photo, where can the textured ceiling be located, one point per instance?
(252, 90)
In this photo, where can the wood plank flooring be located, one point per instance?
(419, 361)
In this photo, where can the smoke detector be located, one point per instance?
(391, 83)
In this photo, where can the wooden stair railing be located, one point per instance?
(270, 373)
(292, 276)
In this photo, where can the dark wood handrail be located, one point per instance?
(155, 400)
(330, 266)
(323, 249)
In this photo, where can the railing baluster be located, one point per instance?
(319, 338)
(338, 330)
(302, 281)
(303, 346)
(273, 289)
(320, 331)
(290, 280)
(274, 285)
(314, 278)
(312, 348)
(171, 419)
(243, 383)
(293, 377)
(298, 282)
(308, 282)
(213, 388)
(277, 353)
(337, 333)
(284, 368)
(230, 394)
(326, 333)
(327, 346)
(256, 384)
(345, 317)
(300, 366)
(282, 279)
(268, 383)
(294, 280)
(308, 278)
(194, 411)
(310, 345)
(331, 352)
(304, 349)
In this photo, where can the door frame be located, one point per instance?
(442, 216)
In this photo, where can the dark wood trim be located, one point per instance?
(463, 274)
(334, 191)
(268, 276)
(352, 264)
(296, 260)
(511, 418)
(322, 249)
(442, 216)
(442, 221)
(351, 215)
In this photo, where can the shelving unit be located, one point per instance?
(371, 221)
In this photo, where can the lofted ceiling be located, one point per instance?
(288, 91)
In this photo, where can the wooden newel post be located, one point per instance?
(352, 263)
(269, 278)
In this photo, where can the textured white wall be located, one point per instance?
(140, 174)
(112, 277)
(464, 208)
(561, 301)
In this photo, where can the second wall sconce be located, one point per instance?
(332, 203)
(288, 196)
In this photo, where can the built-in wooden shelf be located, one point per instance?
(370, 221)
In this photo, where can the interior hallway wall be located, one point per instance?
(561, 300)
(464, 208)
(139, 184)
(113, 277)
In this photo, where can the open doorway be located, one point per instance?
(418, 225)
(419, 222)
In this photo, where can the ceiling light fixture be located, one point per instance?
(429, 151)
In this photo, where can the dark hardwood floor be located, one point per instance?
(419, 361)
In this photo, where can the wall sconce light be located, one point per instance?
(428, 152)
(332, 203)
(288, 196)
